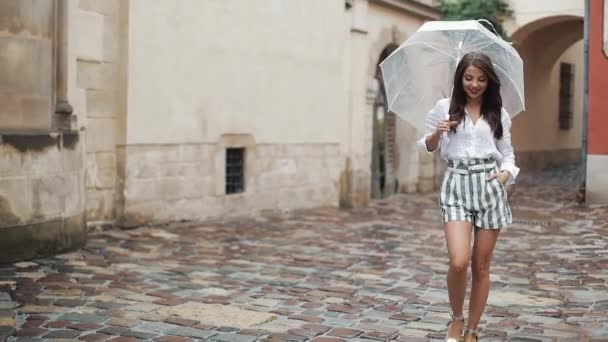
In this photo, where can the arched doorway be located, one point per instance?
(384, 181)
(549, 133)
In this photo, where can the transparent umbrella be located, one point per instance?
(420, 72)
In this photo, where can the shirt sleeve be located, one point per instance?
(505, 148)
(432, 121)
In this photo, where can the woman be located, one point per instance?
(472, 132)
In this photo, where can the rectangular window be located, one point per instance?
(566, 99)
(235, 170)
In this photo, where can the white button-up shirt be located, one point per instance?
(472, 141)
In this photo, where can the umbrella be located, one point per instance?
(420, 72)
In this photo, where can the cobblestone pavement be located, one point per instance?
(370, 274)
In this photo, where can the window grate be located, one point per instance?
(566, 99)
(235, 170)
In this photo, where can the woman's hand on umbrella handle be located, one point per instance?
(446, 125)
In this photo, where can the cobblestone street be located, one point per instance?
(371, 274)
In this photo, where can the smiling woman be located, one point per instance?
(472, 132)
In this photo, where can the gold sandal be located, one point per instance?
(474, 332)
(454, 318)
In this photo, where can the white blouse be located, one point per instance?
(472, 140)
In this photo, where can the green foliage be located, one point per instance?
(494, 11)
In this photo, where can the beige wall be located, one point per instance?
(199, 69)
(27, 31)
(557, 27)
(272, 84)
(537, 129)
(95, 90)
(529, 12)
(413, 170)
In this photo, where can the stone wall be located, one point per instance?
(41, 195)
(41, 173)
(173, 182)
(26, 64)
(97, 54)
(530, 161)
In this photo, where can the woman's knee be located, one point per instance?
(459, 264)
(481, 269)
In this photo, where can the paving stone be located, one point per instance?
(124, 339)
(378, 270)
(172, 339)
(310, 319)
(113, 330)
(253, 332)
(227, 329)
(190, 332)
(377, 335)
(95, 337)
(326, 339)
(31, 332)
(122, 322)
(66, 334)
(57, 324)
(156, 327)
(345, 333)
(27, 339)
(139, 334)
(181, 321)
(8, 305)
(85, 326)
(85, 318)
(6, 331)
(232, 338)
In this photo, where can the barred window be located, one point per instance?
(566, 98)
(235, 170)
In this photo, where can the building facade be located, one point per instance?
(129, 112)
(597, 153)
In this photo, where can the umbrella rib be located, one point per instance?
(432, 47)
(510, 79)
(390, 105)
(475, 48)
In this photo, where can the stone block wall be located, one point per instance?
(97, 54)
(41, 195)
(164, 183)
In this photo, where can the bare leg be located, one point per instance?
(458, 238)
(483, 249)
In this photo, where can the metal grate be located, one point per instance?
(235, 170)
(566, 103)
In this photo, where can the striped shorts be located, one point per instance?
(467, 195)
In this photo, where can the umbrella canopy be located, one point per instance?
(421, 71)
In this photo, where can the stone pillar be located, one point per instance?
(26, 64)
(355, 180)
(41, 167)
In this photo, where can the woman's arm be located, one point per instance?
(505, 148)
(435, 127)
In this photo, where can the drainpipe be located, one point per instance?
(585, 136)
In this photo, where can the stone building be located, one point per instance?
(125, 112)
(597, 153)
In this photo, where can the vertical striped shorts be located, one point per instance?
(468, 195)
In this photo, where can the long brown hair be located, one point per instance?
(491, 104)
